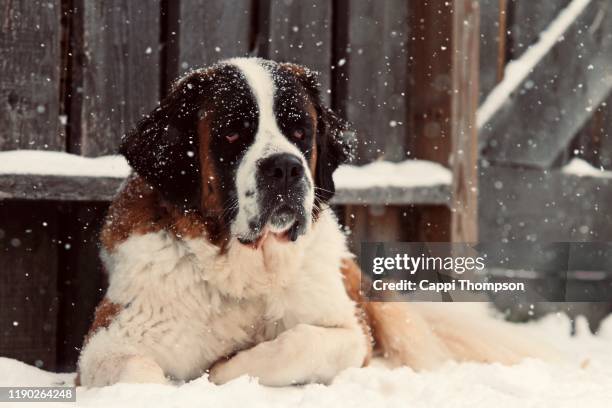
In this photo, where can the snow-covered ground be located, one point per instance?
(583, 377)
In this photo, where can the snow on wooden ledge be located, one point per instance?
(410, 181)
(34, 174)
(581, 168)
(48, 163)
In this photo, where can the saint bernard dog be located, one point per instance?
(224, 258)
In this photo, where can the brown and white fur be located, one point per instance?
(214, 268)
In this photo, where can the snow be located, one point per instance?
(44, 162)
(406, 174)
(410, 173)
(516, 71)
(581, 168)
(582, 377)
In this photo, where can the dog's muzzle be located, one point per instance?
(282, 188)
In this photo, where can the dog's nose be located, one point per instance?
(282, 170)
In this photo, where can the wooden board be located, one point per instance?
(30, 60)
(211, 30)
(117, 76)
(557, 97)
(376, 87)
(28, 282)
(430, 80)
(393, 195)
(36, 187)
(594, 142)
(529, 19)
(65, 188)
(444, 97)
(492, 52)
(301, 32)
(464, 134)
(433, 224)
(372, 92)
(546, 206)
(377, 223)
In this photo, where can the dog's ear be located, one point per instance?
(336, 141)
(163, 148)
(336, 144)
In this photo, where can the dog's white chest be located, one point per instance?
(189, 306)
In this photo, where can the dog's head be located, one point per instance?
(248, 144)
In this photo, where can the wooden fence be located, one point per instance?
(562, 110)
(77, 74)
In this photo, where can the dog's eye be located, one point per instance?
(232, 137)
(298, 133)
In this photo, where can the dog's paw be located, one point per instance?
(226, 370)
(139, 369)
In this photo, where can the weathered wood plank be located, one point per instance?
(28, 282)
(430, 80)
(30, 60)
(373, 84)
(529, 19)
(433, 224)
(39, 187)
(374, 223)
(65, 188)
(594, 142)
(543, 205)
(464, 135)
(393, 195)
(301, 32)
(117, 78)
(429, 105)
(211, 30)
(555, 100)
(376, 89)
(492, 52)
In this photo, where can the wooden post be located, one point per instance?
(445, 46)
(464, 137)
(115, 72)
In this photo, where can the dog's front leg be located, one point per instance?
(304, 353)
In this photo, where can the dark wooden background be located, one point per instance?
(76, 74)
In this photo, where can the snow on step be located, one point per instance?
(581, 168)
(406, 174)
(48, 163)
